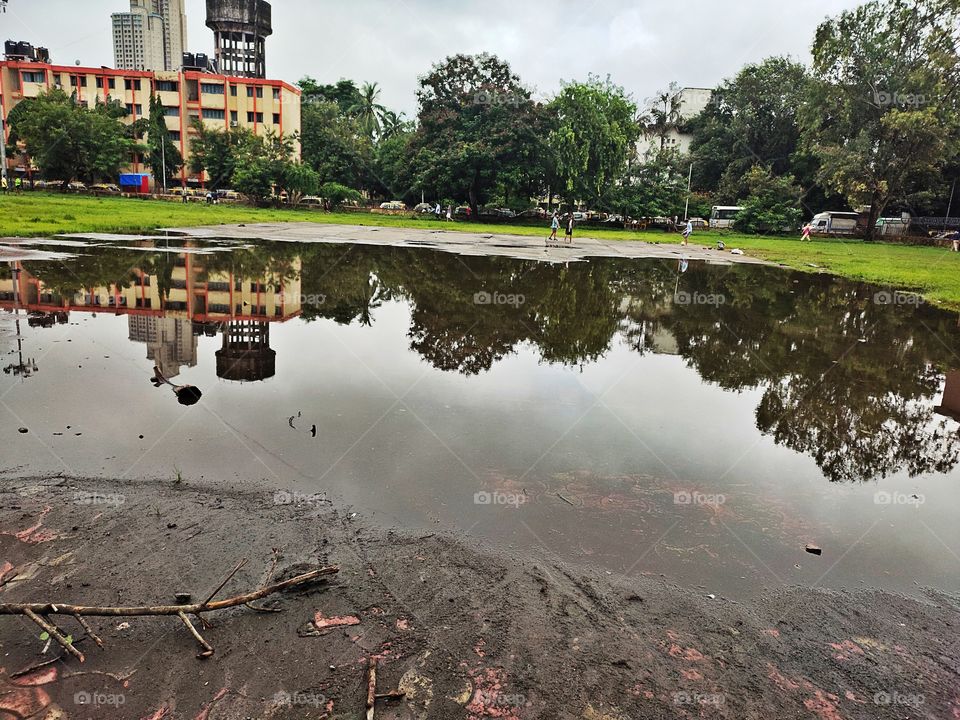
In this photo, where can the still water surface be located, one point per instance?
(704, 424)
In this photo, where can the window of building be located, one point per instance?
(171, 111)
(73, 81)
(131, 84)
(276, 118)
(175, 135)
(233, 116)
(276, 94)
(135, 109)
(255, 91)
(112, 84)
(213, 114)
(249, 92)
(254, 117)
(233, 90)
(211, 89)
(40, 76)
(168, 86)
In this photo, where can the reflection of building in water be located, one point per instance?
(246, 355)
(170, 341)
(951, 396)
(169, 309)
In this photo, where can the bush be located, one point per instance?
(338, 194)
(773, 205)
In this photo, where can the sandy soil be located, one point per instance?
(464, 631)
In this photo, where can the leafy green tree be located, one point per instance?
(752, 119)
(338, 194)
(476, 123)
(773, 205)
(162, 150)
(68, 141)
(393, 168)
(220, 153)
(335, 145)
(297, 180)
(344, 94)
(883, 108)
(595, 136)
(255, 179)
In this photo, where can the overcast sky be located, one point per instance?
(642, 44)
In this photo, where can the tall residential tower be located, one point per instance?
(152, 36)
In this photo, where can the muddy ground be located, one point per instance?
(464, 631)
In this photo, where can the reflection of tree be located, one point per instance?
(843, 379)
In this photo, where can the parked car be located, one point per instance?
(579, 216)
(424, 208)
(537, 212)
(311, 201)
(76, 186)
(106, 187)
(227, 194)
(462, 210)
(393, 205)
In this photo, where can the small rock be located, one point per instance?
(182, 598)
(814, 549)
(23, 431)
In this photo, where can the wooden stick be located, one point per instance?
(54, 633)
(372, 688)
(225, 581)
(63, 609)
(90, 633)
(207, 650)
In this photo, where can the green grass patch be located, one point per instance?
(934, 272)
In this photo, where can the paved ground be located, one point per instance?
(464, 243)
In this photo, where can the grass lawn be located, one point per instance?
(932, 271)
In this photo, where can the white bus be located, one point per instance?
(722, 216)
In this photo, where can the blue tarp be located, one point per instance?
(133, 178)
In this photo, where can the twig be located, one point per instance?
(207, 650)
(372, 688)
(108, 611)
(90, 633)
(225, 581)
(54, 633)
(28, 670)
(568, 502)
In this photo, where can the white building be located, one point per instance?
(693, 101)
(151, 36)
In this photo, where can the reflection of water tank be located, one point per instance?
(246, 355)
(240, 29)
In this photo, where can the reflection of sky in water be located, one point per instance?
(618, 453)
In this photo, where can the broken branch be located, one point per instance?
(52, 631)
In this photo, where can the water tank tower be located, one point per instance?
(240, 28)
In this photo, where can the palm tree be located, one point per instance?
(391, 124)
(664, 114)
(367, 110)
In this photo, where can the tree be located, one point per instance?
(883, 107)
(338, 194)
(751, 119)
(476, 123)
(344, 94)
(69, 141)
(297, 180)
(595, 136)
(219, 153)
(368, 111)
(335, 145)
(663, 115)
(162, 154)
(255, 179)
(392, 124)
(773, 205)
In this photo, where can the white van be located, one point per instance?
(722, 216)
(834, 223)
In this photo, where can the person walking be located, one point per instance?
(554, 227)
(18, 185)
(437, 211)
(687, 231)
(805, 235)
(570, 226)
(449, 213)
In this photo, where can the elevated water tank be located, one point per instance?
(240, 29)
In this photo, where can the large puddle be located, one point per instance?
(701, 422)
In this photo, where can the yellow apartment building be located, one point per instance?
(218, 101)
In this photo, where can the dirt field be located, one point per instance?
(463, 631)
